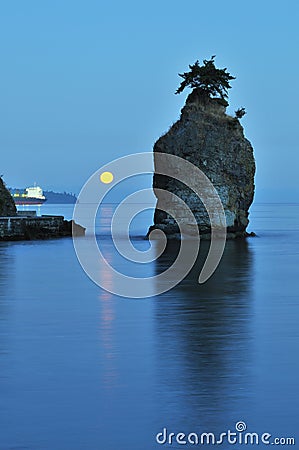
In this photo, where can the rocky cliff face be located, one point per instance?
(214, 142)
(7, 205)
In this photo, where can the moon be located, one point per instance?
(106, 177)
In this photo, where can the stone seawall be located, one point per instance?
(18, 228)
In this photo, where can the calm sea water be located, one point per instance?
(81, 369)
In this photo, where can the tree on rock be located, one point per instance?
(240, 113)
(207, 79)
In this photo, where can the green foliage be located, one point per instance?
(207, 79)
(239, 113)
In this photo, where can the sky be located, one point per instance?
(85, 82)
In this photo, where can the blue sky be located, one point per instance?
(84, 82)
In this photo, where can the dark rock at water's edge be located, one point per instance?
(214, 142)
(7, 205)
(25, 225)
(27, 228)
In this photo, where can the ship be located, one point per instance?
(30, 196)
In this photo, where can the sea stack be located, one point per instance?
(214, 142)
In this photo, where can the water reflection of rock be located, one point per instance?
(6, 271)
(204, 334)
(6, 281)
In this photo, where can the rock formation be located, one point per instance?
(31, 227)
(25, 225)
(214, 142)
(7, 205)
